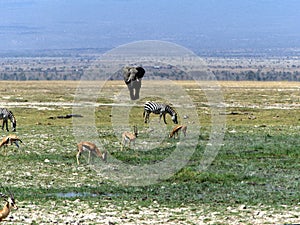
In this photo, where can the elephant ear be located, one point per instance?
(140, 73)
(126, 74)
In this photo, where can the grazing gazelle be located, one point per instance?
(128, 137)
(91, 148)
(10, 203)
(10, 139)
(176, 129)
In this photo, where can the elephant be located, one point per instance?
(132, 78)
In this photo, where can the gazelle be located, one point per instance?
(10, 204)
(10, 139)
(91, 148)
(176, 129)
(128, 137)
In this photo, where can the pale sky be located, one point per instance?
(195, 24)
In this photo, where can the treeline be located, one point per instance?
(76, 70)
(38, 74)
(257, 75)
(219, 75)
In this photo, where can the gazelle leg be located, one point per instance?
(17, 144)
(89, 159)
(122, 144)
(77, 156)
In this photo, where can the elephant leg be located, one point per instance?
(137, 86)
(131, 91)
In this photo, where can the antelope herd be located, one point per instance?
(86, 146)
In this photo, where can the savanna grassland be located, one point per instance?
(253, 179)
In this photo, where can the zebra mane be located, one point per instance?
(171, 109)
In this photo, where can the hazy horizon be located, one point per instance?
(210, 24)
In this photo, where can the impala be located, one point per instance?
(10, 139)
(176, 129)
(128, 137)
(91, 148)
(10, 204)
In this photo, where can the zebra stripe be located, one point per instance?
(6, 114)
(161, 109)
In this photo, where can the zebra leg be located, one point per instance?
(160, 115)
(164, 115)
(6, 123)
(146, 116)
(3, 124)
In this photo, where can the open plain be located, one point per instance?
(253, 178)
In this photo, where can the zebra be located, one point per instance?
(161, 109)
(6, 114)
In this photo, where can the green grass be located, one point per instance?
(258, 162)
